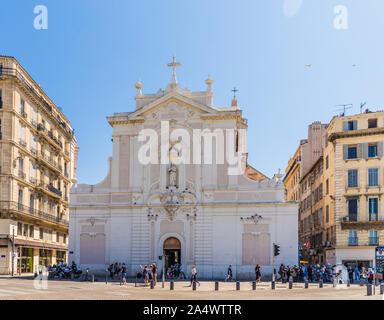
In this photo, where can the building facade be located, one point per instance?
(354, 171)
(312, 237)
(308, 152)
(37, 148)
(193, 213)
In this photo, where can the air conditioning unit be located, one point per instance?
(346, 219)
(329, 244)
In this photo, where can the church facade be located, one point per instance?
(179, 190)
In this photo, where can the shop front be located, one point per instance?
(61, 256)
(26, 260)
(45, 257)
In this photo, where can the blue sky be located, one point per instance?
(94, 51)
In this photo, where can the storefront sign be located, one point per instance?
(379, 253)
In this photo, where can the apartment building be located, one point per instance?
(37, 150)
(312, 234)
(354, 174)
(307, 153)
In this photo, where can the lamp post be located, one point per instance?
(13, 251)
(163, 277)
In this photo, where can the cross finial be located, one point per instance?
(234, 90)
(174, 64)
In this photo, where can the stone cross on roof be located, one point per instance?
(174, 64)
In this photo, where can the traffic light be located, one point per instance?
(276, 250)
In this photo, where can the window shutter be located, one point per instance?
(380, 149)
(345, 151)
(354, 124)
(345, 125)
(365, 150)
(359, 150)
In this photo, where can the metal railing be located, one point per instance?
(373, 240)
(18, 207)
(22, 143)
(21, 174)
(50, 188)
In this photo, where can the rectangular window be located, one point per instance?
(352, 178)
(22, 107)
(373, 177)
(19, 229)
(41, 233)
(352, 209)
(31, 231)
(327, 186)
(372, 150)
(372, 123)
(1, 99)
(326, 162)
(373, 206)
(352, 239)
(327, 214)
(373, 237)
(25, 230)
(352, 152)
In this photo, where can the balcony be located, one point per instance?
(11, 206)
(32, 180)
(33, 122)
(373, 221)
(54, 190)
(352, 241)
(33, 150)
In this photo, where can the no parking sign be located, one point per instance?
(380, 253)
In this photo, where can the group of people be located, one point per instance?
(229, 275)
(324, 272)
(367, 274)
(176, 271)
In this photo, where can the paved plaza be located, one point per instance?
(24, 289)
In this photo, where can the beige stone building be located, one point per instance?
(311, 214)
(305, 156)
(354, 176)
(37, 150)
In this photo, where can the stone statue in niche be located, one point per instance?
(172, 175)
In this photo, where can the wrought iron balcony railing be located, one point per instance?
(20, 208)
(352, 241)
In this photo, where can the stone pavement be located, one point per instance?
(23, 289)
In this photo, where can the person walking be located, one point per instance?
(229, 274)
(194, 276)
(154, 273)
(258, 273)
(310, 278)
(182, 274)
(357, 274)
(124, 273)
(350, 274)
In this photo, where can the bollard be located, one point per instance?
(382, 289)
(254, 285)
(93, 278)
(216, 285)
(290, 284)
(194, 285)
(172, 285)
(106, 276)
(320, 283)
(152, 285)
(361, 282)
(72, 276)
(334, 282)
(237, 285)
(306, 284)
(369, 289)
(376, 282)
(273, 285)
(120, 278)
(348, 283)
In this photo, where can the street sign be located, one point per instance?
(160, 257)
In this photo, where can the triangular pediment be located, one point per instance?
(172, 98)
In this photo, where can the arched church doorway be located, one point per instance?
(172, 251)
